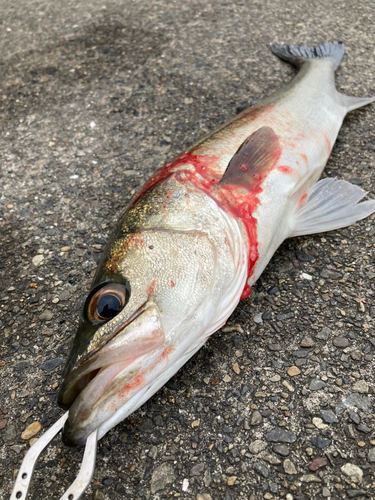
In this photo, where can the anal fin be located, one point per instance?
(331, 204)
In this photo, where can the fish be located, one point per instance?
(196, 237)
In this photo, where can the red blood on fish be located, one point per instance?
(238, 196)
(151, 288)
(284, 169)
(134, 384)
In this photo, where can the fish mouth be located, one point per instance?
(89, 386)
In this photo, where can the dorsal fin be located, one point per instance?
(254, 159)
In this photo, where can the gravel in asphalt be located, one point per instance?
(94, 96)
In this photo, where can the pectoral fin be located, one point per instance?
(331, 204)
(254, 159)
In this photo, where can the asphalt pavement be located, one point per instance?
(94, 96)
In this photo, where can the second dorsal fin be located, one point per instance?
(254, 159)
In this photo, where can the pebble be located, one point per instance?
(10, 433)
(310, 478)
(231, 480)
(317, 464)
(258, 318)
(233, 328)
(354, 417)
(271, 459)
(261, 469)
(37, 260)
(227, 379)
(302, 256)
(341, 342)
(318, 422)
(31, 430)
(257, 446)
(307, 342)
(274, 347)
(64, 249)
(323, 334)
(363, 428)
(51, 364)
(361, 386)
(196, 423)
(328, 416)
(354, 399)
(47, 331)
(352, 471)
(108, 481)
(3, 423)
(289, 467)
(256, 418)
(119, 488)
(281, 449)
(236, 368)
(325, 492)
(278, 435)
(371, 455)
(197, 469)
(300, 353)
(46, 315)
(287, 385)
(275, 378)
(185, 484)
(293, 371)
(98, 495)
(203, 496)
(317, 384)
(320, 442)
(356, 493)
(161, 477)
(207, 478)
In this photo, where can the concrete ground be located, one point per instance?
(94, 97)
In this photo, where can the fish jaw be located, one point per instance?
(107, 371)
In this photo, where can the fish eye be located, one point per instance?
(106, 303)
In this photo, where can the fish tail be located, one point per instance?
(299, 54)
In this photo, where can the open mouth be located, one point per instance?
(134, 338)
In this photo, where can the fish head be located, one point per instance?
(152, 288)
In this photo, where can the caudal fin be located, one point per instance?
(298, 54)
(351, 102)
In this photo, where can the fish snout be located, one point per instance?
(70, 437)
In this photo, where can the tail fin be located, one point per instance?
(298, 54)
(351, 102)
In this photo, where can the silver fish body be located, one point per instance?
(198, 235)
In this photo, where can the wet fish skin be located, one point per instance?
(199, 234)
